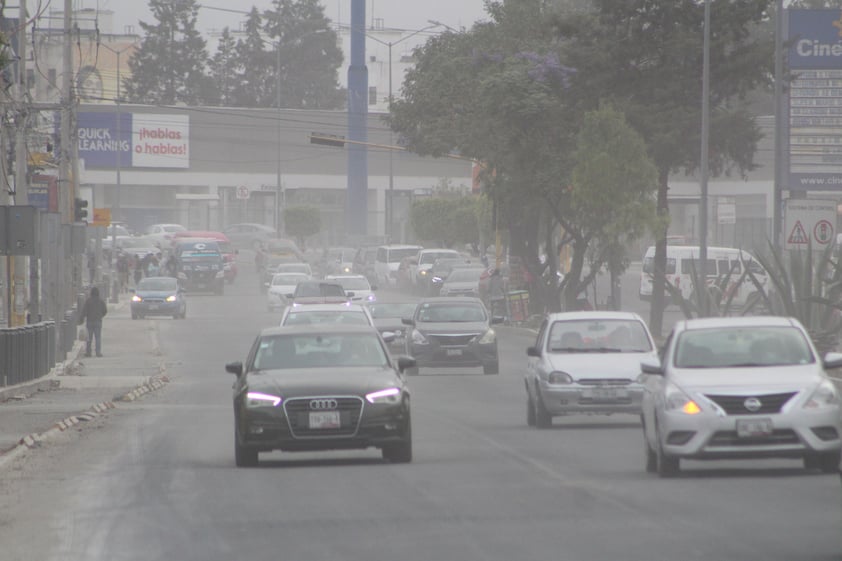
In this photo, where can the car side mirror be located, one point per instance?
(533, 351)
(832, 360)
(498, 319)
(652, 366)
(388, 336)
(405, 362)
(234, 368)
(407, 321)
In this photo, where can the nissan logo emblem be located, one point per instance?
(322, 404)
(752, 404)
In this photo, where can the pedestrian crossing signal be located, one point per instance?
(798, 236)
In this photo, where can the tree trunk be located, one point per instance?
(656, 310)
(573, 285)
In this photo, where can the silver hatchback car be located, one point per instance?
(733, 388)
(586, 362)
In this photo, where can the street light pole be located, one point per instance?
(279, 186)
(703, 203)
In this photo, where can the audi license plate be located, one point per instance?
(752, 428)
(324, 420)
(454, 352)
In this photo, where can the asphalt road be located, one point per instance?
(157, 481)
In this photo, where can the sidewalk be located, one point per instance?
(83, 388)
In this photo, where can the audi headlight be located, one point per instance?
(389, 395)
(418, 338)
(137, 298)
(257, 399)
(171, 298)
(823, 396)
(489, 337)
(558, 378)
(677, 400)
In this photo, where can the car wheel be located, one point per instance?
(668, 466)
(400, 453)
(543, 419)
(650, 455)
(530, 411)
(493, 368)
(243, 455)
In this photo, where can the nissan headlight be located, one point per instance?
(257, 399)
(678, 401)
(137, 298)
(823, 396)
(417, 338)
(558, 378)
(488, 338)
(171, 298)
(389, 395)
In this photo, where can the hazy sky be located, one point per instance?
(405, 14)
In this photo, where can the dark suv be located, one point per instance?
(200, 266)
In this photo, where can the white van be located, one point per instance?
(387, 260)
(721, 261)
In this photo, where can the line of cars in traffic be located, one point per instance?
(718, 388)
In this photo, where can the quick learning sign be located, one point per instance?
(140, 141)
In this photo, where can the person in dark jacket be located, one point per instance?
(93, 311)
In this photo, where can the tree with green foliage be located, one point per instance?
(305, 48)
(645, 56)
(301, 222)
(610, 164)
(447, 220)
(169, 66)
(255, 66)
(223, 69)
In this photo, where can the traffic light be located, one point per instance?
(80, 214)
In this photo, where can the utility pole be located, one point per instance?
(20, 263)
(65, 185)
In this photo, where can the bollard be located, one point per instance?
(51, 344)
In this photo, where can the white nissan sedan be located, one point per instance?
(586, 362)
(740, 387)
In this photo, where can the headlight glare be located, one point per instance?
(137, 298)
(677, 400)
(823, 396)
(171, 298)
(258, 399)
(389, 395)
(558, 378)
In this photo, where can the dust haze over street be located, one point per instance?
(155, 478)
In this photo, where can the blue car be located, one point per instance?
(158, 296)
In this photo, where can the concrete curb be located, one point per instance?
(36, 440)
(47, 382)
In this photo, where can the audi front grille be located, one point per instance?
(298, 410)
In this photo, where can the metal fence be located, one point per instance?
(29, 352)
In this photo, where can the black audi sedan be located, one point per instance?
(309, 388)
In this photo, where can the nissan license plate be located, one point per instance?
(454, 352)
(152, 307)
(752, 428)
(324, 420)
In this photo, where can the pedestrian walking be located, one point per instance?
(497, 293)
(93, 311)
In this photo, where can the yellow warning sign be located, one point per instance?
(798, 236)
(102, 217)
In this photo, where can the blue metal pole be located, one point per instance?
(356, 204)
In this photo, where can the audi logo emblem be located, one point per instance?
(752, 404)
(323, 404)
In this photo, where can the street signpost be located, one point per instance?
(243, 192)
(809, 223)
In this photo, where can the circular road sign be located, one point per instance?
(823, 232)
(242, 192)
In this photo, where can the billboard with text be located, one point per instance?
(136, 140)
